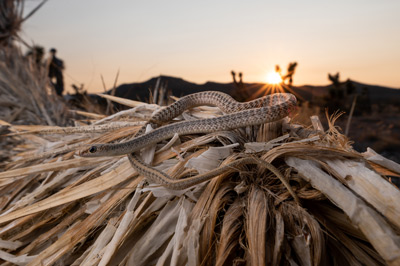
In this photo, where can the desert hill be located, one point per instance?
(180, 87)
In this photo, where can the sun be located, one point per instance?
(273, 78)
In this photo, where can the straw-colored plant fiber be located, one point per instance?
(57, 208)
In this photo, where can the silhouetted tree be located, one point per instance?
(336, 91)
(278, 70)
(239, 83)
(334, 79)
(241, 93)
(289, 74)
(342, 95)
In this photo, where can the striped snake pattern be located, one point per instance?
(263, 110)
(266, 109)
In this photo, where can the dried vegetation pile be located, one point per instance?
(59, 208)
(25, 97)
(322, 203)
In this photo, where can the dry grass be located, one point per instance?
(59, 208)
(24, 94)
(11, 19)
(25, 98)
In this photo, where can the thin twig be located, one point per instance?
(353, 105)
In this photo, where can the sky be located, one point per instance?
(202, 41)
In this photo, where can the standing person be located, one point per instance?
(56, 67)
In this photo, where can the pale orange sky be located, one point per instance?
(203, 41)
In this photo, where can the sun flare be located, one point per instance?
(273, 78)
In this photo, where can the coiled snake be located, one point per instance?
(269, 108)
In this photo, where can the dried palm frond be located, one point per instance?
(58, 208)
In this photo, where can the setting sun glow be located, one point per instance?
(273, 78)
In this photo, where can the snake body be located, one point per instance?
(266, 109)
(215, 98)
(163, 179)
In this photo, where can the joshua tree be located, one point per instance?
(240, 83)
(336, 92)
(240, 94)
(278, 70)
(334, 79)
(289, 74)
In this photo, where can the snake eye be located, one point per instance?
(93, 149)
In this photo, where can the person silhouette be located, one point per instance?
(56, 67)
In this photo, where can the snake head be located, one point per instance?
(89, 151)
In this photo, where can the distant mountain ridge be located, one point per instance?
(180, 87)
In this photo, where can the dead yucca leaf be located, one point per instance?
(230, 233)
(105, 214)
